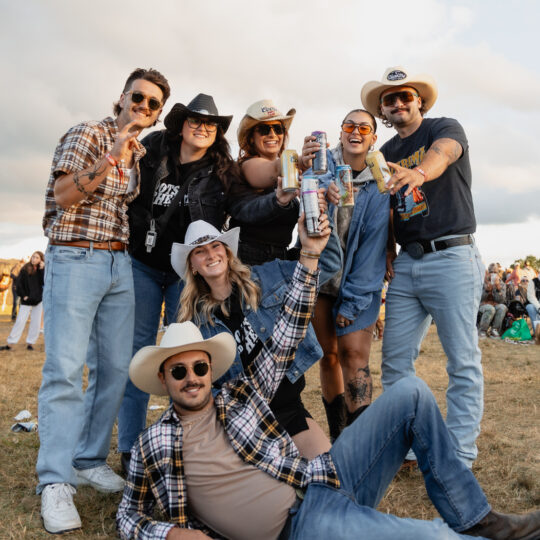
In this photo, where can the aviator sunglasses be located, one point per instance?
(199, 368)
(405, 96)
(195, 123)
(264, 129)
(363, 129)
(138, 97)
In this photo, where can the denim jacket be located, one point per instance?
(273, 278)
(365, 254)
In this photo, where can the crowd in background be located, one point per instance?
(507, 295)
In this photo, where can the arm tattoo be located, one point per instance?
(360, 387)
(92, 175)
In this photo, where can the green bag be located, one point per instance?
(519, 331)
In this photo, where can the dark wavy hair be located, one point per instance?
(387, 122)
(150, 75)
(226, 169)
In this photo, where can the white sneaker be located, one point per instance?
(494, 334)
(482, 334)
(102, 478)
(57, 509)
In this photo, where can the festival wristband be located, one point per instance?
(422, 172)
(111, 160)
(310, 254)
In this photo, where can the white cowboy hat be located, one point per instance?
(200, 233)
(263, 111)
(180, 337)
(398, 76)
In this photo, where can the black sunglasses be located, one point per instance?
(405, 96)
(264, 129)
(195, 123)
(138, 97)
(199, 368)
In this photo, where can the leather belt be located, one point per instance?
(418, 249)
(109, 245)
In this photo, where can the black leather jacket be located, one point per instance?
(205, 191)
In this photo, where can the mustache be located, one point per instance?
(192, 385)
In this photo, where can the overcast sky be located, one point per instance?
(63, 62)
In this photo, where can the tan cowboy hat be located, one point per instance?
(263, 111)
(398, 76)
(200, 233)
(180, 337)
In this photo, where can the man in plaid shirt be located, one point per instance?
(88, 296)
(223, 467)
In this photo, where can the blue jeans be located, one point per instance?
(152, 287)
(367, 456)
(533, 315)
(446, 286)
(89, 308)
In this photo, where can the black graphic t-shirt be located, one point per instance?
(249, 345)
(442, 206)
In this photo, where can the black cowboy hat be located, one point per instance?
(200, 106)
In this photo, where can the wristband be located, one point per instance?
(111, 160)
(309, 254)
(422, 172)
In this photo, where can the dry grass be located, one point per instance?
(508, 467)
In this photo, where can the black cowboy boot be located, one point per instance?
(336, 415)
(352, 416)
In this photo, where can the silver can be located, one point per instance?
(320, 161)
(310, 204)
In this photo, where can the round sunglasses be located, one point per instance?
(363, 129)
(138, 97)
(199, 368)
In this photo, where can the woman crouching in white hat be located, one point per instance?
(222, 294)
(266, 226)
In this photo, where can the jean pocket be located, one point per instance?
(70, 254)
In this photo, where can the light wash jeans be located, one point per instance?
(531, 311)
(89, 309)
(446, 286)
(152, 287)
(367, 456)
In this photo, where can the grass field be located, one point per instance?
(508, 467)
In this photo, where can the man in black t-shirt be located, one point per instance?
(438, 273)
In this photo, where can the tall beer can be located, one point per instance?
(289, 170)
(345, 185)
(379, 169)
(320, 162)
(310, 204)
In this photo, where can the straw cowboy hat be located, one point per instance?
(200, 233)
(180, 337)
(201, 106)
(398, 76)
(263, 111)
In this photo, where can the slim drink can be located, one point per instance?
(310, 204)
(379, 169)
(289, 170)
(320, 162)
(345, 185)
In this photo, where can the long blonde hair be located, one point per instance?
(197, 302)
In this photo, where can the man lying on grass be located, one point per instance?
(223, 467)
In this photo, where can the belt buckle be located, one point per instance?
(415, 250)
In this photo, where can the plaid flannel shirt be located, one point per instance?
(157, 476)
(102, 215)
